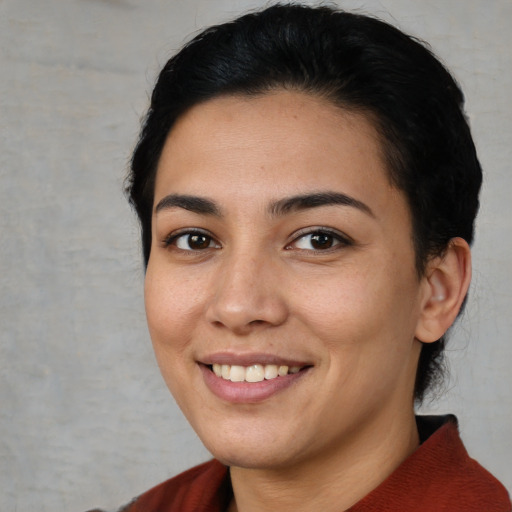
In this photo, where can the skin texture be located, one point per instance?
(257, 288)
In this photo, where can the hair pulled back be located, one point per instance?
(358, 63)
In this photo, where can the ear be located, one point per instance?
(446, 282)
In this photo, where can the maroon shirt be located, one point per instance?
(439, 476)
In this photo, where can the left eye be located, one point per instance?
(317, 241)
(194, 242)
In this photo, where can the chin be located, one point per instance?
(251, 452)
(256, 459)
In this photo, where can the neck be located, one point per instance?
(333, 481)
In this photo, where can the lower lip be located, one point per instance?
(248, 392)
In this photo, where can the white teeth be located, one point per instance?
(253, 373)
(237, 374)
(270, 371)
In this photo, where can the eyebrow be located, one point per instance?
(200, 205)
(205, 206)
(315, 200)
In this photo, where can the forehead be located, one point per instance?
(278, 143)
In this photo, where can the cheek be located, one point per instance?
(360, 308)
(171, 312)
(336, 304)
(170, 326)
(365, 327)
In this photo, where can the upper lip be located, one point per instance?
(247, 359)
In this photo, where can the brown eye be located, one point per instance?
(198, 241)
(194, 242)
(319, 241)
(322, 241)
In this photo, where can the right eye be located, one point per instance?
(192, 241)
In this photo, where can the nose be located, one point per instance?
(247, 295)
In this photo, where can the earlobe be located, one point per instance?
(446, 283)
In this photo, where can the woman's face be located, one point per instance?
(278, 241)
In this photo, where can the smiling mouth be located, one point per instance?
(254, 372)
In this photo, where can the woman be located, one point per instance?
(307, 187)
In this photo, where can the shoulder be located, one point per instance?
(203, 488)
(462, 481)
(439, 476)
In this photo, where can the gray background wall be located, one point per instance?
(85, 418)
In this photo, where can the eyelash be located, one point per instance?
(174, 237)
(339, 240)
